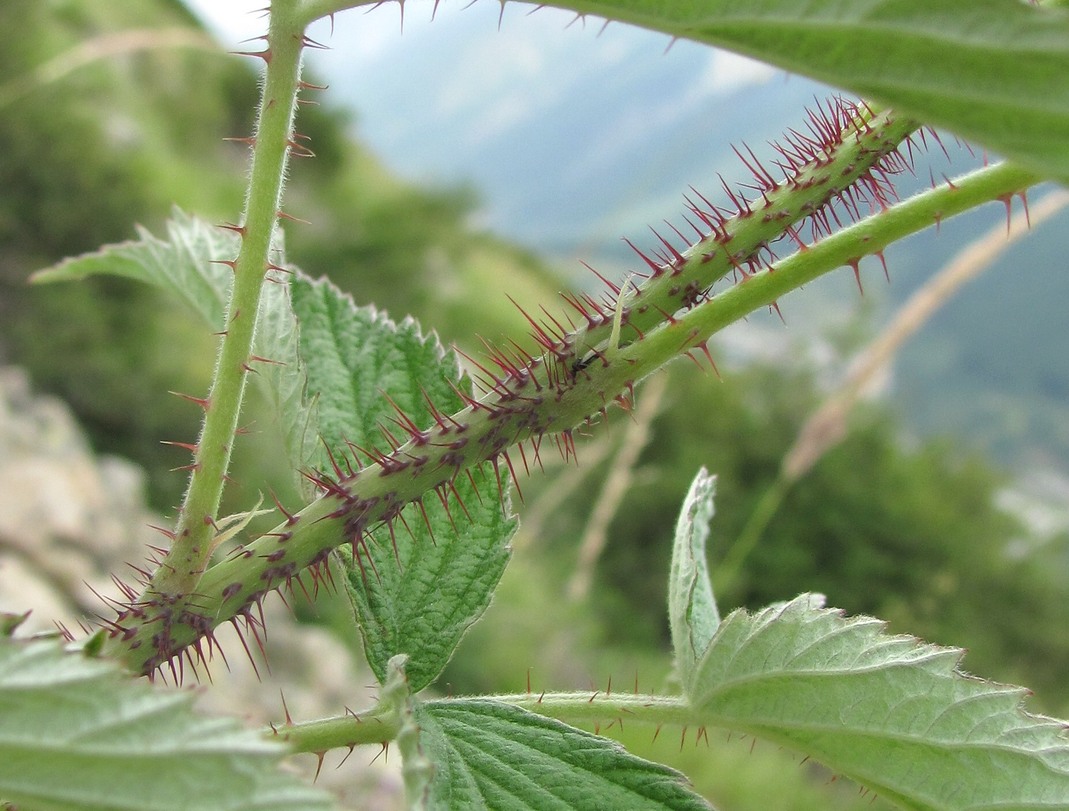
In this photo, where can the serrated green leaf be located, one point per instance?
(418, 592)
(418, 585)
(181, 264)
(353, 356)
(888, 711)
(78, 735)
(692, 612)
(989, 70)
(491, 755)
(189, 266)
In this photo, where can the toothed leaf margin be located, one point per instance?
(890, 712)
(493, 755)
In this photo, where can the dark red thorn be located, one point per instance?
(338, 472)
(426, 520)
(371, 454)
(680, 235)
(656, 269)
(855, 266)
(393, 542)
(291, 518)
(440, 492)
(326, 575)
(456, 495)
(310, 598)
(308, 42)
(203, 402)
(468, 401)
(542, 338)
(143, 574)
(259, 359)
(704, 346)
(512, 474)
(566, 445)
(265, 54)
(775, 306)
(285, 709)
(321, 482)
(925, 131)
(526, 360)
(561, 333)
(492, 382)
(282, 215)
(883, 261)
(385, 750)
(299, 150)
(189, 446)
(357, 549)
(229, 226)
(536, 447)
(499, 359)
(126, 590)
(391, 440)
(500, 485)
(674, 256)
(523, 458)
(613, 287)
(755, 169)
(438, 416)
(742, 205)
(165, 532)
(580, 307)
(404, 523)
(406, 423)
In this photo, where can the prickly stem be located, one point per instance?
(189, 555)
(578, 373)
(868, 237)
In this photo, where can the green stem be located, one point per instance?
(374, 727)
(341, 732)
(868, 237)
(188, 558)
(231, 586)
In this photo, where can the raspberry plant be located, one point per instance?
(408, 452)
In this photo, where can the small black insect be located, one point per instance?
(582, 363)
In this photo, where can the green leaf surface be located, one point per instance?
(416, 591)
(491, 755)
(888, 711)
(78, 735)
(989, 70)
(356, 357)
(692, 612)
(417, 585)
(190, 266)
(181, 264)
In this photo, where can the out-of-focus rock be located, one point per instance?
(69, 519)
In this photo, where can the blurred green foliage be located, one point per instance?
(128, 134)
(907, 533)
